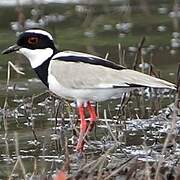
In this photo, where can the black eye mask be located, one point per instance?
(34, 41)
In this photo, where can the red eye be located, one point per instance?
(32, 40)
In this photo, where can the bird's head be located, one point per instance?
(37, 45)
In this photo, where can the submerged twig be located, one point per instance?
(120, 54)
(170, 137)
(101, 158)
(106, 56)
(109, 128)
(10, 64)
(178, 80)
(153, 72)
(19, 161)
(124, 100)
(31, 118)
(138, 54)
(113, 173)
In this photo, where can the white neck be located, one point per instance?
(36, 56)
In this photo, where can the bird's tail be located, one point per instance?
(138, 78)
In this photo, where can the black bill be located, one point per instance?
(11, 49)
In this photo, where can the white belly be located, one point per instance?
(84, 95)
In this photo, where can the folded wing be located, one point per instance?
(84, 71)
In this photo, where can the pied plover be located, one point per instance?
(80, 77)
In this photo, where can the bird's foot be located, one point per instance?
(80, 150)
(80, 155)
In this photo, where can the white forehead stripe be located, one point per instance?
(38, 31)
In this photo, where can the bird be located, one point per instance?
(79, 77)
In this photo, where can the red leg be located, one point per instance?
(83, 124)
(93, 116)
(92, 112)
(83, 127)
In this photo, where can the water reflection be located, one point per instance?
(139, 126)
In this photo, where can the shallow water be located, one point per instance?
(140, 127)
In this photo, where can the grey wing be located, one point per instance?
(84, 76)
(81, 75)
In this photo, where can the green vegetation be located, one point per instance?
(71, 31)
